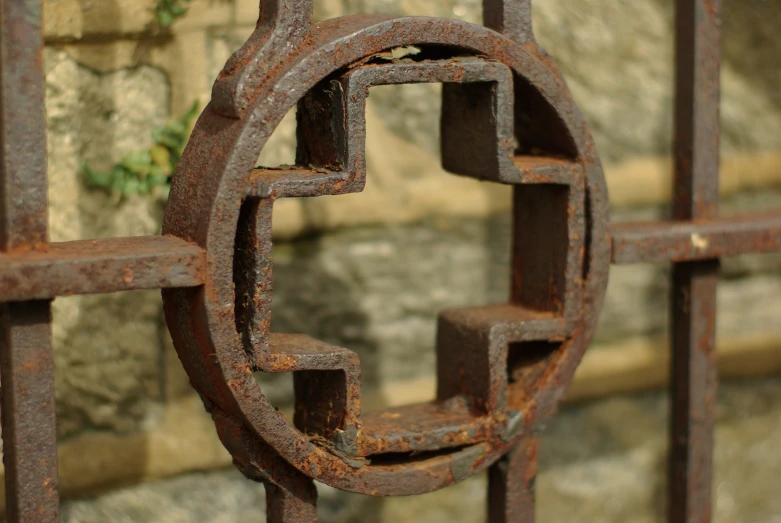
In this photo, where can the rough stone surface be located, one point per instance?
(617, 58)
(217, 497)
(378, 290)
(602, 461)
(107, 348)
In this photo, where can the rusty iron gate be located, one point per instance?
(507, 118)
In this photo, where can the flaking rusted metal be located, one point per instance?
(693, 290)
(26, 359)
(507, 118)
(101, 266)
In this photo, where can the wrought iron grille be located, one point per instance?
(507, 118)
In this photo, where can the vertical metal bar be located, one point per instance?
(693, 301)
(512, 18)
(511, 479)
(26, 360)
(295, 502)
(29, 435)
(23, 120)
(511, 484)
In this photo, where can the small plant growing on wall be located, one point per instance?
(168, 11)
(147, 171)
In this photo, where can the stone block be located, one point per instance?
(378, 290)
(183, 60)
(107, 348)
(600, 461)
(77, 19)
(617, 59)
(102, 20)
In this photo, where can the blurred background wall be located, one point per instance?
(371, 271)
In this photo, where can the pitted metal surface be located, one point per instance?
(507, 118)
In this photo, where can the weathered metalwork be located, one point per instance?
(681, 241)
(502, 370)
(26, 359)
(693, 301)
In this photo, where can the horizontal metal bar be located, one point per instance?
(101, 266)
(696, 240)
(547, 169)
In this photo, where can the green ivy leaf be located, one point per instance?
(137, 162)
(148, 171)
(158, 176)
(143, 187)
(169, 140)
(167, 11)
(157, 134)
(118, 176)
(96, 178)
(176, 128)
(157, 181)
(178, 10)
(130, 186)
(161, 158)
(164, 17)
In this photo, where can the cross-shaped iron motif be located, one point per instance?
(507, 118)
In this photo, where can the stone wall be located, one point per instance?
(603, 461)
(370, 271)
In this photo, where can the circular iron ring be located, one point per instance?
(206, 197)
